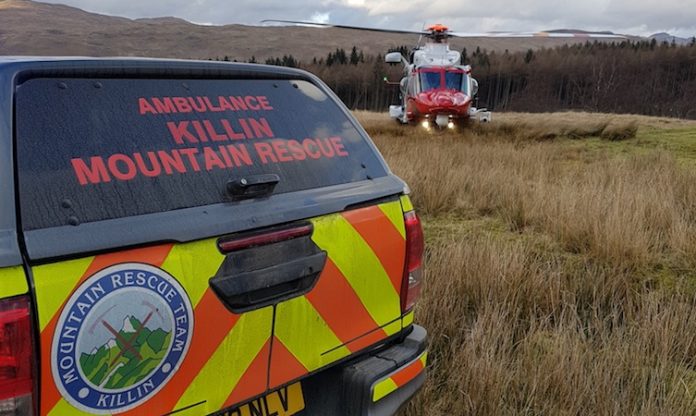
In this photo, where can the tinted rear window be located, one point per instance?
(91, 150)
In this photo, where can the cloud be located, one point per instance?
(641, 17)
(320, 18)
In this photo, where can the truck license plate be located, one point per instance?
(284, 402)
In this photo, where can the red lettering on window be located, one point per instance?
(263, 100)
(230, 131)
(182, 104)
(296, 149)
(325, 147)
(212, 160)
(265, 152)
(179, 131)
(261, 128)
(281, 150)
(199, 130)
(238, 103)
(94, 173)
(214, 136)
(210, 105)
(245, 126)
(240, 154)
(164, 105)
(225, 156)
(171, 162)
(152, 172)
(197, 104)
(224, 104)
(122, 167)
(310, 148)
(145, 107)
(191, 154)
(338, 146)
(252, 103)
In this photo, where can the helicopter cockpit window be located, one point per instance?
(457, 80)
(430, 80)
(440, 78)
(453, 80)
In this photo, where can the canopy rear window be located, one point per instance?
(97, 149)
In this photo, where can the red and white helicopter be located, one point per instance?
(437, 89)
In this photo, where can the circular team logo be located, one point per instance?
(121, 336)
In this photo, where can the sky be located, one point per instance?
(635, 17)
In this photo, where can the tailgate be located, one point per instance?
(141, 331)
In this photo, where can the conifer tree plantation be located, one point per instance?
(628, 77)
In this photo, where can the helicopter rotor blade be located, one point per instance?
(321, 25)
(545, 34)
(549, 34)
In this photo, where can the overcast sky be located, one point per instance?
(637, 17)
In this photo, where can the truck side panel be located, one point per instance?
(13, 282)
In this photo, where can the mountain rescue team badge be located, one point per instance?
(120, 338)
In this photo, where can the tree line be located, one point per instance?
(627, 77)
(641, 77)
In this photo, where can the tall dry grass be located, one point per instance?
(560, 280)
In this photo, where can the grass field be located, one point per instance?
(561, 266)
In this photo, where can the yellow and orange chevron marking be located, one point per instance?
(356, 301)
(354, 304)
(399, 378)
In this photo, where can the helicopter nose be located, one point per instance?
(444, 99)
(448, 99)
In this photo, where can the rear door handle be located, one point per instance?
(248, 290)
(254, 186)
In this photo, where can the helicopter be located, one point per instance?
(437, 89)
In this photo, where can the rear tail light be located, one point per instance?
(16, 351)
(413, 269)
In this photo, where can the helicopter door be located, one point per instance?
(412, 84)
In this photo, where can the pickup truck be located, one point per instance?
(193, 238)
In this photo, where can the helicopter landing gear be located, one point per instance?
(482, 115)
(397, 112)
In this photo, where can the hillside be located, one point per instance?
(33, 28)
